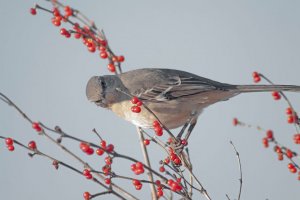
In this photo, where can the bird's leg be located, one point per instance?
(178, 137)
(180, 145)
(192, 126)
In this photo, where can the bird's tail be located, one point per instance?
(267, 88)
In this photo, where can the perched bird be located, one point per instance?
(175, 97)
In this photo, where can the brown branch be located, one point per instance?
(147, 161)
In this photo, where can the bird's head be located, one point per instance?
(102, 90)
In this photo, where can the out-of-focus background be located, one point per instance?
(46, 74)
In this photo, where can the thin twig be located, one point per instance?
(240, 169)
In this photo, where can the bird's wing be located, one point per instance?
(174, 87)
(161, 85)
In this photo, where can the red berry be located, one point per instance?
(55, 164)
(10, 147)
(269, 134)
(256, 77)
(277, 149)
(108, 160)
(290, 166)
(139, 171)
(162, 169)
(138, 187)
(134, 100)
(136, 182)
(280, 156)
(32, 145)
(103, 144)
(111, 67)
(293, 170)
(157, 182)
(103, 54)
(89, 176)
(289, 153)
(289, 111)
(139, 165)
(136, 109)
(133, 167)
(184, 142)
(99, 152)
(92, 49)
(297, 138)
(84, 147)
(110, 148)
(77, 35)
(107, 181)
(56, 12)
(63, 31)
(146, 142)
(86, 195)
(106, 169)
(167, 160)
(68, 11)
(159, 193)
(177, 161)
(103, 42)
(86, 172)
(291, 119)
(55, 22)
(265, 142)
(158, 130)
(276, 95)
(33, 11)
(235, 122)
(9, 141)
(89, 151)
(156, 123)
(114, 59)
(121, 58)
(36, 126)
(139, 103)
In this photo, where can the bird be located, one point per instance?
(176, 98)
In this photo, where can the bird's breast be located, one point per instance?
(143, 119)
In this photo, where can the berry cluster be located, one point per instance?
(9, 144)
(86, 148)
(174, 157)
(280, 150)
(256, 77)
(137, 105)
(292, 168)
(137, 184)
(36, 126)
(157, 128)
(87, 174)
(292, 116)
(92, 38)
(138, 168)
(175, 185)
(159, 191)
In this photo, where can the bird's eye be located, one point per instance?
(102, 82)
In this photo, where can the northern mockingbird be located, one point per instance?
(175, 97)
